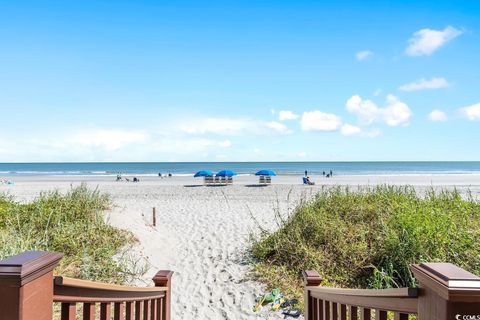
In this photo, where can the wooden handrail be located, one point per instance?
(323, 302)
(398, 300)
(87, 284)
(145, 303)
(445, 291)
(379, 293)
(76, 290)
(28, 291)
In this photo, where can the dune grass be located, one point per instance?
(70, 223)
(368, 238)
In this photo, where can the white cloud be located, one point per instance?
(320, 121)
(437, 115)
(278, 127)
(350, 130)
(471, 112)
(366, 110)
(302, 154)
(231, 127)
(427, 41)
(109, 145)
(422, 84)
(287, 115)
(109, 139)
(363, 55)
(395, 112)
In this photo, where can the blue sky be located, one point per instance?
(239, 80)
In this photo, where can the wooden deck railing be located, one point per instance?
(28, 291)
(445, 291)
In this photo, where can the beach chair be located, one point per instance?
(216, 180)
(261, 180)
(223, 180)
(230, 180)
(268, 180)
(207, 180)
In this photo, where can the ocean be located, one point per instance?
(286, 168)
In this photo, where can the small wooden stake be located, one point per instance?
(154, 216)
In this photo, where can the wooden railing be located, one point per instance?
(28, 291)
(444, 291)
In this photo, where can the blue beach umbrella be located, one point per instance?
(204, 173)
(226, 173)
(265, 173)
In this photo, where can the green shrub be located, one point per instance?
(70, 223)
(368, 238)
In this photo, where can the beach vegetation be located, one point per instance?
(369, 237)
(72, 223)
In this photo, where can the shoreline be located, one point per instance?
(241, 174)
(449, 179)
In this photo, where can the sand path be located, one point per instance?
(206, 231)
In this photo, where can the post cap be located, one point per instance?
(311, 278)
(447, 279)
(162, 277)
(27, 266)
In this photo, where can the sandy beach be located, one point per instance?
(202, 233)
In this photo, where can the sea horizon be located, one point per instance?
(240, 167)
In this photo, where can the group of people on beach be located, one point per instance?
(306, 178)
(120, 178)
(327, 175)
(135, 179)
(164, 175)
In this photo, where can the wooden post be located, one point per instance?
(163, 278)
(26, 286)
(154, 217)
(311, 279)
(447, 292)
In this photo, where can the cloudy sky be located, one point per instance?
(239, 80)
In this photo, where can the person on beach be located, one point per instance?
(306, 173)
(323, 173)
(331, 173)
